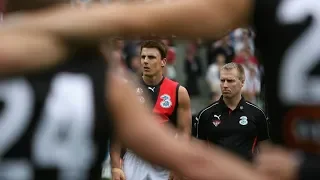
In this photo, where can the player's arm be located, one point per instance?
(23, 51)
(200, 18)
(115, 156)
(284, 164)
(184, 117)
(115, 153)
(184, 120)
(154, 142)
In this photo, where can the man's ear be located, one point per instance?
(163, 62)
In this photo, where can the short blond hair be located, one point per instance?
(239, 67)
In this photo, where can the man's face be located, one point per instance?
(230, 83)
(151, 61)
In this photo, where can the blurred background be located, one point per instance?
(194, 64)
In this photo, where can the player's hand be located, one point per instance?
(277, 163)
(117, 174)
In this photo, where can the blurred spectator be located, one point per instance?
(131, 49)
(193, 71)
(223, 46)
(245, 56)
(136, 65)
(119, 47)
(213, 77)
(250, 63)
(243, 37)
(252, 86)
(112, 50)
(170, 70)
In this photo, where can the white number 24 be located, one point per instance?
(296, 85)
(70, 105)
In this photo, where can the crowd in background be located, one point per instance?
(238, 46)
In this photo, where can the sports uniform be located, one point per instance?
(288, 34)
(164, 100)
(53, 123)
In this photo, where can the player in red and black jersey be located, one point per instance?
(168, 100)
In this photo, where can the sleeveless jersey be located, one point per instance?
(53, 124)
(163, 97)
(288, 36)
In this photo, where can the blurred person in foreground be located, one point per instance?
(169, 101)
(283, 35)
(69, 104)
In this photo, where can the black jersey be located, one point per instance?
(288, 36)
(49, 122)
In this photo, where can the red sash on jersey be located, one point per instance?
(166, 102)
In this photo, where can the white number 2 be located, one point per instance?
(62, 138)
(296, 85)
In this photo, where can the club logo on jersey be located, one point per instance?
(166, 101)
(243, 120)
(217, 121)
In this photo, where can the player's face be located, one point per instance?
(151, 61)
(230, 83)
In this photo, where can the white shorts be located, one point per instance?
(136, 168)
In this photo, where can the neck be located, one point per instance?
(233, 102)
(152, 80)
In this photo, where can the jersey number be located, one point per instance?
(296, 84)
(65, 125)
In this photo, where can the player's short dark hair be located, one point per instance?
(25, 5)
(162, 48)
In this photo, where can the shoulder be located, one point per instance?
(182, 90)
(183, 95)
(207, 109)
(257, 111)
(171, 82)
